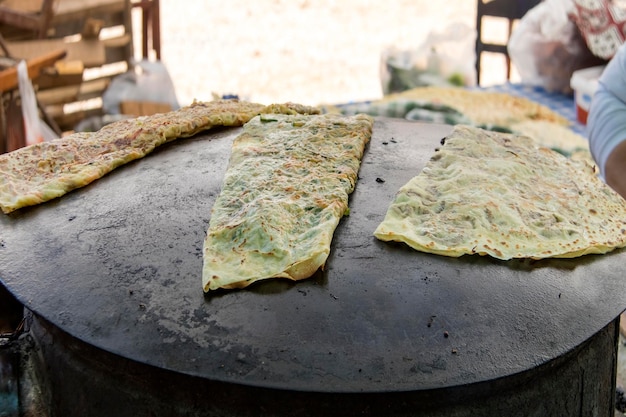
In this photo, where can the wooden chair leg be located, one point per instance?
(151, 28)
(49, 120)
(3, 125)
(4, 47)
(16, 136)
(156, 28)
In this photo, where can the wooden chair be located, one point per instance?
(511, 10)
(150, 27)
(31, 16)
(11, 125)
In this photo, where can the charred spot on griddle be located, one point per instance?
(436, 156)
(443, 140)
(393, 140)
(379, 180)
(385, 143)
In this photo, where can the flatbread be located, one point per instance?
(552, 135)
(483, 107)
(44, 171)
(285, 190)
(556, 137)
(501, 195)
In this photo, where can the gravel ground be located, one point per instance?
(312, 52)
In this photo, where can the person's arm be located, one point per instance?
(615, 169)
(606, 125)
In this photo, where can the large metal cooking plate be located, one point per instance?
(118, 265)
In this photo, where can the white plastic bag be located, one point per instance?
(35, 129)
(146, 81)
(444, 58)
(546, 46)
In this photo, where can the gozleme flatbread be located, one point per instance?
(552, 135)
(556, 137)
(483, 107)
(285, 190)
(41, 172)
(501, 195)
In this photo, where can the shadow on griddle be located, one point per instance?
(216, 132)
(564, 264)
(275, 286)
(527, 264)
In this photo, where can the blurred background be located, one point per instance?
(93, 61)
(323, 51)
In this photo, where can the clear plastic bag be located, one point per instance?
(546, 46)
(445, 58)
(35, 129)
(146, 81)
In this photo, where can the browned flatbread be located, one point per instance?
(483, 107)
(41, 172)
(284, 193)
(501, 195)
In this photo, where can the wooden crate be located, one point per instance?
(97, 36)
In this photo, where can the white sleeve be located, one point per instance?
(606, 124)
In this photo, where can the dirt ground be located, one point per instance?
(312, 52)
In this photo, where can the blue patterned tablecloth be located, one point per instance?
(562, 104)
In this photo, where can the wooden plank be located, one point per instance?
(118, 48)
(68, 121)
(6, 62)
(68, 10)
(59, 95)
(55, 111)
(63, 74)
(73, 27)
(21, 20)
(69, 67)
(72, 93)
(117, 54)
(118, 41)
(8, 77)
(92, 89)
(25, 6)
(92, 28)
(55, 80)
(15, 135)
(28, 15)
(106, 71)
(90, 52)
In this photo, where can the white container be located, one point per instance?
(584, 82)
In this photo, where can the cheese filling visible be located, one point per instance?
(47, 170)
(500, 195)
(285, 191)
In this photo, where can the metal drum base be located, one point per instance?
(83, 380)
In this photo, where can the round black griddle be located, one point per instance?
(118, 265)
